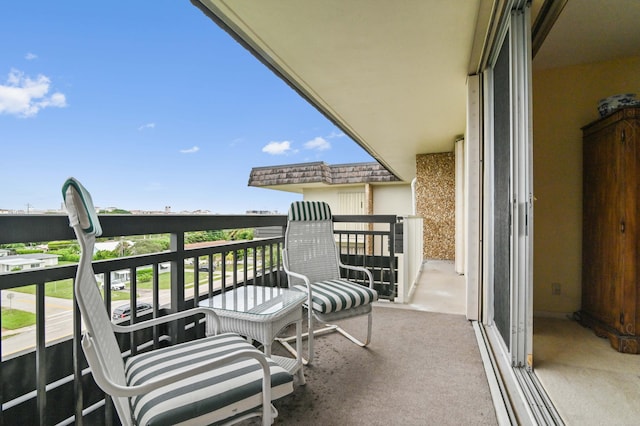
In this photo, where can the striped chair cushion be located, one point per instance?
(205, 398)
(336, 295)
(309, 210)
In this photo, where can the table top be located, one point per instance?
(255, 300)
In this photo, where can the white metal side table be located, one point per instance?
(260, 313)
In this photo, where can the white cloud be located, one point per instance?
(319, 144)
(25, 97)
(335, 134)
(191, 150)
(30, 56)
(147, 126)
(277, 148)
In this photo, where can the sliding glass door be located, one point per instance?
(508, 191)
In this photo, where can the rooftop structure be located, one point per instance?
(319, 173)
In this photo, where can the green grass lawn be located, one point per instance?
(64, 288)
(14, 318)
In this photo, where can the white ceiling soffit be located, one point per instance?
(589, 31)
(390, 74)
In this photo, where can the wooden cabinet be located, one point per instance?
(611, 229)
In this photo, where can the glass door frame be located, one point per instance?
(515, 30)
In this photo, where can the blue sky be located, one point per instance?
(148, 105)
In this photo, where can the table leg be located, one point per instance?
(300, 372)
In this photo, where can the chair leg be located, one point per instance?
(311, 333)
(354, 339)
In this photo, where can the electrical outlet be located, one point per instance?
(556, 289)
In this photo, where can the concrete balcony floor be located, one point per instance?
(422, 367)
(587, 380)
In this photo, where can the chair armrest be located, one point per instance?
(297, 275)
(213, 322)
(304, 278)
(120, 390)
(358, 268)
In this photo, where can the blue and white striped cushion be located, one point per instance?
(205, 398)
(336, 295)
(309, 210)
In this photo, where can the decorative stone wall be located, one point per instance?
(435, 202)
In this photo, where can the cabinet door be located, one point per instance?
(602, 226)
(627, 134)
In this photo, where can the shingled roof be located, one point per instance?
(320, 172)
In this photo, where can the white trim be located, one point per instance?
(502, 365)
(522, 181)
(488, 200)
(473, 198)
(460, 231)
(500, 399)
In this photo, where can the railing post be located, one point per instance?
(155, 286)
(176, 245)
(41, 356)
(77, 362)
(392, 260)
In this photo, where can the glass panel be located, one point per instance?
(502, 173)
(256, 300)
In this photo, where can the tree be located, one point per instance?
(105, 254)
(241, 234)
(201, 236)
(148, 246)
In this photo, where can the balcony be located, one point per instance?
(45, 379)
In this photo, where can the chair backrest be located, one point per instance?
(309, 245)
(84, 221)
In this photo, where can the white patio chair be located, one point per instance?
(214, 379)
(312, 262)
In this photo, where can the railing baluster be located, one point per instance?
(133, 303)
(212, 268)
(176, 245)
(392, 260)
(41, 357)
(77, 363)
(155, 297)
(2, 422)
(263, 259)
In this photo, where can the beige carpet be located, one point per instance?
(422, 368)
(587, 380)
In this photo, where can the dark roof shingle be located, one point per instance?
(320, 172)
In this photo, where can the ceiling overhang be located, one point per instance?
(391, 75)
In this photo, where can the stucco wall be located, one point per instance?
(392, 199)
(564, 100)
(435, 202)
(386, 199)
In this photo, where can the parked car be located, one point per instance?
(124, 311)
(205, 268)
(115, 285)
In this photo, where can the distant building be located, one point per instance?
(350, 189)
(27, 261)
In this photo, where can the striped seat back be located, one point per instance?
(310, 246)
(309, 211)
